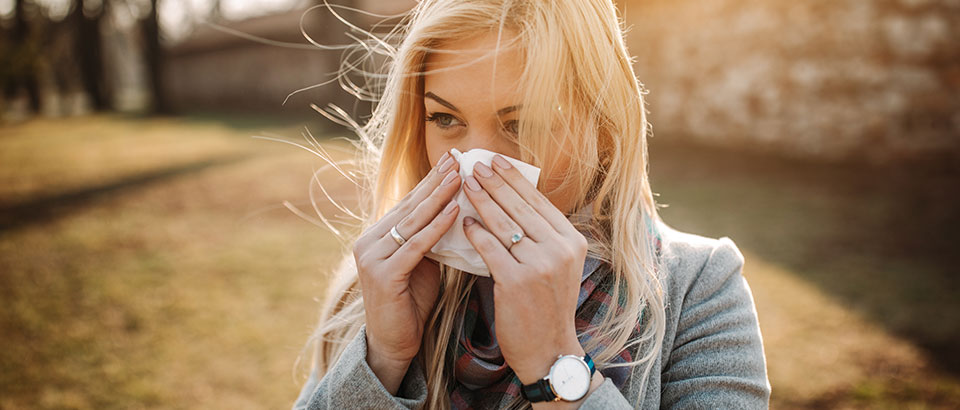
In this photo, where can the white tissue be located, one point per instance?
(454, 249)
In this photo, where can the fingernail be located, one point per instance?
(446, 164)
(501, 162)
(468, 221)
(472, 183)
(483, 170)
(443, 158)
(449, 178)
(450, 207)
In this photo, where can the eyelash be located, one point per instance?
(437, 116)
(510, 126)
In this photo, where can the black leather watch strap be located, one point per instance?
(537, 392)
(541, 391)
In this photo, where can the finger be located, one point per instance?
(425, 212)
(526, 251)
(496, 257)
(532, 223)
(512, 176)
(409, 255)
(496, 220)
(410, 201)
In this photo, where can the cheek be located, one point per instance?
(435, 147)
(552, 187)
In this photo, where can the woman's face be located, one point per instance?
(470, 104)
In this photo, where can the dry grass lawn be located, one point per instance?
(149, 263)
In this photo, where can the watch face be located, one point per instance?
(570, 378)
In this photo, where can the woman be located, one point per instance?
(592, 301)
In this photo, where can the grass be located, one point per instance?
(193, 289)
(850, 267)
(149, 263)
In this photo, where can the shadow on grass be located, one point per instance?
(46, 208)
(882, 240)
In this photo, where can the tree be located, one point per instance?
(21, 69)
(153, 55)
(89, 45)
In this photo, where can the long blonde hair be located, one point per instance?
(580, 93)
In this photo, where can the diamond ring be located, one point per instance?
(515, 238)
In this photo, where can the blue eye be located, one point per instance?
(443, 120)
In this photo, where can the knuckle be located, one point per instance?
(505, 223)
(526, 272)
(568, 253)
(540, 200)
(580, 241)
(436, 195)
(539, 270)
(495, 182)
(547, 271)
(364, 265)
(416, 243)
(410, 194)
(522, 209)
(405, 223)
(436, 179)
(407, 207)
(487, 246)
(357, 248)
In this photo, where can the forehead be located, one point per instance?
(475, 72)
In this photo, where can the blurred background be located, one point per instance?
(153, 254)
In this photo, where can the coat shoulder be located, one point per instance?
(689, 260)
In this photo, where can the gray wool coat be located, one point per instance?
(712, 355)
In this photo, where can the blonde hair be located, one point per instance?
(579, 92)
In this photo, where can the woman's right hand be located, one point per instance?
(399, 285)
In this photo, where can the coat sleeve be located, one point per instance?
(607, 396)
(717, 358)
(350, 383)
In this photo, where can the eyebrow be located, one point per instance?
(507, 110)
(445, 103)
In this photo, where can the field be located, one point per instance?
(151, 263)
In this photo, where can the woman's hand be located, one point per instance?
(399, 285)
(537, 279)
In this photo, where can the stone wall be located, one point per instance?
(834, 79)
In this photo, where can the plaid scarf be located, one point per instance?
(482, 378)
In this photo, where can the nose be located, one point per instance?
(487, 139)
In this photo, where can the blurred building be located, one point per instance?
(228, 70)
(824, 78)
(830, 79)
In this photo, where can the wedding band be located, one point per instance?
(396, 236)
(517, 237)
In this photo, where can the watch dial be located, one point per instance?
(570, 378)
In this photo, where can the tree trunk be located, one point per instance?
(153, 54)
(89, 53)
(22, 41)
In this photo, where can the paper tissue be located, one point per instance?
(454, 249)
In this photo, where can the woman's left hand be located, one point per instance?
(536, 280)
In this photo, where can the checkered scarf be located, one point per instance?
(482, 378)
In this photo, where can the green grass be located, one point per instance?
(148, 263)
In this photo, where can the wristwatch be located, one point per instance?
(568, 380)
